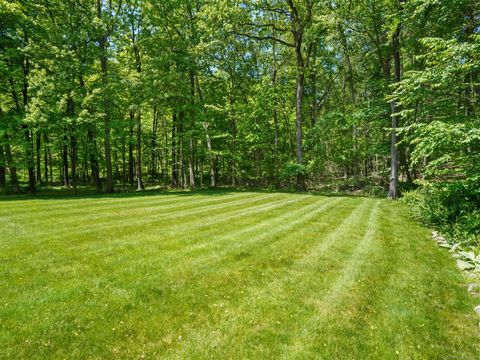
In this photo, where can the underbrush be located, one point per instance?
(452, 208)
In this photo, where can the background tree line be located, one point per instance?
(365, 94)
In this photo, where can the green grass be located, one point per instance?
(226, 275)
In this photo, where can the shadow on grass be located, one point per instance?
(90, 192)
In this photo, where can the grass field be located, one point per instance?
(226, 275)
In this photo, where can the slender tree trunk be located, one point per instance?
(39, 156)
(174, 151)
(130, 149)
(393, 188)
(210, 156)
(2, 167)
(45, 157)
(103, 43)
(65, 179)
(11, 167)
(298, 115)
(139, 151)
(92, 152)
(153, 150)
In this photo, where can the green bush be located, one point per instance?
(452, 208)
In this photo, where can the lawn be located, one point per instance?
(218, 274)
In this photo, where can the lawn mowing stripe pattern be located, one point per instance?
(239, 275)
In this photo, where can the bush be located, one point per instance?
(451, 207)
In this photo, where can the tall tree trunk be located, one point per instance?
(65, 178)
(39, 156)
(139, 151)
(45, 157)
(27, 135)
(130, 148)
(191, 159)
(103, 44)
(210, 156)
(393, 188)
(153, 150)
(2, 167)
(92, 153)
(11, 167)
(174, 151)
(298, 113)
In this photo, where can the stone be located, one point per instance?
(463, 265)
(444, 245)
(477, 309)
(473, 288)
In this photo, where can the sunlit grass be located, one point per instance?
(226, 275)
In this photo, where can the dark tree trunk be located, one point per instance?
(11, 167)
(2, 167)
(39, 156)
(45, 157)
(65, 178)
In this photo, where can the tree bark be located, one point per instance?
(174, 151)
(11, 167)
(298, 113)
(2, 167)
(139, 151)
(393, 187)
(39, 156)
(103, 43)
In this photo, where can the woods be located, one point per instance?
(370, 96)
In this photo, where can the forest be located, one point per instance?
(378, 97)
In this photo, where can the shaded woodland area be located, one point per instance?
(369, 95)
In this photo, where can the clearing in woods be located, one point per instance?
(226, 275)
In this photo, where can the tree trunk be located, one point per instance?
(92, 153)
(210, 156)
(11, 167)
(393, 188)
(174, 151)
(45, 157)
(2, 167)
(298, 115)
(39, 156)
(139, 151)
(65, 179)
(103, 44)
(130, 149)
(191, 159)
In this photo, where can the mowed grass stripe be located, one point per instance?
(278, 284)
(159, 241)
(131, 208)
(259, 234)
(106, 224)
(201, 229)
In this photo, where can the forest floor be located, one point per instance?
(223, 274)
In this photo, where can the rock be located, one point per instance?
(434, 234)
(470, 256)
(473, 288)
(444, 245)
(463, 265)
(440, 239)
(477, 309)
